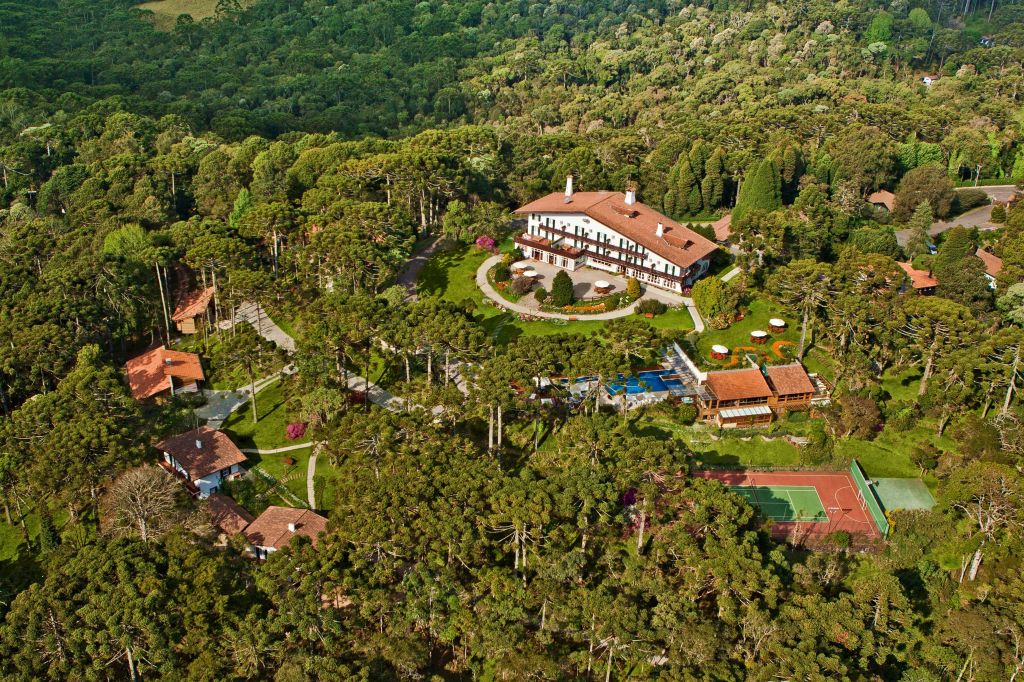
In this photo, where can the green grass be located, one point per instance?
(727, 450)
(738, 334)
(902, 385)
(451, 274)
(326, 484)
(888, 455)
(293, 476)
(269, 432)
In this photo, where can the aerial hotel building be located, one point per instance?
(614, 232)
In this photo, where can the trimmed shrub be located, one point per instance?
(502, 273)
(295, 430)
(967, 199)
(561, 289)
(485, 242)
(633, 290)
(998, 214)
(651, 306)
(541, 294)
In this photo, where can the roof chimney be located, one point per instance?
(661, 230)
(168, 361)
(291, 527)
(630, 195)
(568, 188)
(199, 444)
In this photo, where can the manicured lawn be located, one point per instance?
(326, 484)
(293, 476)
(452, 276)
(888, 455)
(269, 432)
(902, 385)
(738, 336)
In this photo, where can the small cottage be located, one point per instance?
(204, 457)
(162, 370)
(275, 528)
(191, 310)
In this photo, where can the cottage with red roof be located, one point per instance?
(275, 528)
(160, 370)
(993, 265)
(204, 457)
(614, 232)
(922, 281)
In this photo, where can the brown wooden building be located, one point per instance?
(191, 310)
(752, 397)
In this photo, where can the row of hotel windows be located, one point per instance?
(624, 244)
(539, 231)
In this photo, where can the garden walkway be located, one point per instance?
(276, 451)
(221, 404)
(502, 302)
(729, 275)
(310, 472)
(666, 297)
(255, 315)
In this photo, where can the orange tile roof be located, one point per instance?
(738, 384)
(147, 373)
(723, 227)
(192, 304)
(993, 263)
(216, 452)
(639, 222)
(919, 279)
(884, 197)
(227, 514)
(790, 379)
(270, 529)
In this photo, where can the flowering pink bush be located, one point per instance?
(485, 242)
(295, 431)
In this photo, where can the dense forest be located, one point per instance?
(298, 155)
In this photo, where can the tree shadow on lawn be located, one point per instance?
(434, 277)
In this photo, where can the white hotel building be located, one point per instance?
(614, 232)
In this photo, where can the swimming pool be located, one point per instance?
(649, 381)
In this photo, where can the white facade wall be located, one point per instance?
(208, 484)
(618, 247)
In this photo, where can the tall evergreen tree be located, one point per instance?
(761, 190)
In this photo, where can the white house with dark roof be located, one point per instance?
(204, 457)
(614, 232)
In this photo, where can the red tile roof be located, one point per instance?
(919, 279)
(193, 304)
(270, 529)
(884, 197)
(216, 451)
(738, 384)
(723, 227)
(993, 263)
(790, 379)
(227, 514)
(639, 222)
(147, 373)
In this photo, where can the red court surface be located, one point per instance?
(838, 495)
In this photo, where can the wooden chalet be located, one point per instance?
(192, 309)
(741, 398)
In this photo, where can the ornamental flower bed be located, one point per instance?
(599, 308)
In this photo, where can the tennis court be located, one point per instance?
(802, 505)
(784, 502)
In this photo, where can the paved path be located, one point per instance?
(276, 451)
(310, 473)
(729, 275)
(980, 216)
(410, 274)
(485, 286)
(664, 296)
(266, 327)
(221, 404)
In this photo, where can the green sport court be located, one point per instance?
(784, 502)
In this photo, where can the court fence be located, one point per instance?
(869, 497)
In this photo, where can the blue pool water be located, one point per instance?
(644, 382)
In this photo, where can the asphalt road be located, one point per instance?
(979, 217)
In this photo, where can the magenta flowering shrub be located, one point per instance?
(295, 431)
(485, 242)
